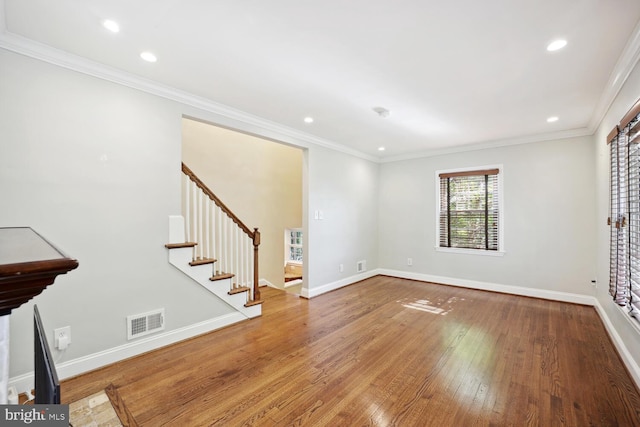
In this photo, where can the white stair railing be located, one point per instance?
(220, 235)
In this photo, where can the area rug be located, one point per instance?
(103, 409)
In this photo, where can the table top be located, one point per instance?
(22, 250)
(22, 244)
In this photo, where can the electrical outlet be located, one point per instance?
(62, 337)
(341, 268)
(409, 261)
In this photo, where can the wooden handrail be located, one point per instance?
(217, 201)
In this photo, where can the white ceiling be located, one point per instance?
(451, 73)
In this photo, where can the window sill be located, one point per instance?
(470, 251)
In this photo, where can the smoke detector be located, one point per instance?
(382, 112)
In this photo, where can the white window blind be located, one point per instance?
(624, 208)
(469, 210)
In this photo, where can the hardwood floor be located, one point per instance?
(384, 352)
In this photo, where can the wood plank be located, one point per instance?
(180, 245)
(384, 351)
(253, 302)
(202, 261)
(220, 276)
(123, 413)
(238, 290)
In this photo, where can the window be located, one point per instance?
(624, 212)
(469, 214)
(293, 245)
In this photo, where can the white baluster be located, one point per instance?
(241, 262)
(226, 244)
(185, 205)
(207, 234)
(247, 259)
(220, 237)
(199, 235)
(194, 222)
(236, 270)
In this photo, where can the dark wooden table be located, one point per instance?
(28, 264)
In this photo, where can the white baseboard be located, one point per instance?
(265, 282)
(310, 293)
(494, 287)
(623, 351)
(291, 283)
(94, 361)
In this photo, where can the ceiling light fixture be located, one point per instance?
(382, 112)
(552, 119)
(148, 56)
(556, 45)
(111, 25)
(381, 148)
(308, 120)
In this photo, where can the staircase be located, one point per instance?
(212, 246)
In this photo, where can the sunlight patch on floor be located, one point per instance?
(441, 308)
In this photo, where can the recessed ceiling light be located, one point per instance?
(381, 148)
(308, 119)
(556, 45)
(148, 56)
(552, 119)
(111, 25)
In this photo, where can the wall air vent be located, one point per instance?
(361, 266)
(142, 324)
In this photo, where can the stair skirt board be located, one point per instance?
(201, 270)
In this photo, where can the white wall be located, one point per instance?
(624, 326)
(95, 168)
(548, 217)
(345, 190)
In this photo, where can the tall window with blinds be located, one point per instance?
(469, 212)
(624, 212)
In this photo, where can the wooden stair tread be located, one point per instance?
(180, 245)
(253, 302)
(239, 290)
(221, 276)
(202, 261)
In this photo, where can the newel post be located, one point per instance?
(256, 243)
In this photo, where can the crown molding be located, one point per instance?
(626, 63)
(42, 52)
(571, 133)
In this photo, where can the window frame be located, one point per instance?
(288, 245)
(501, 250)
